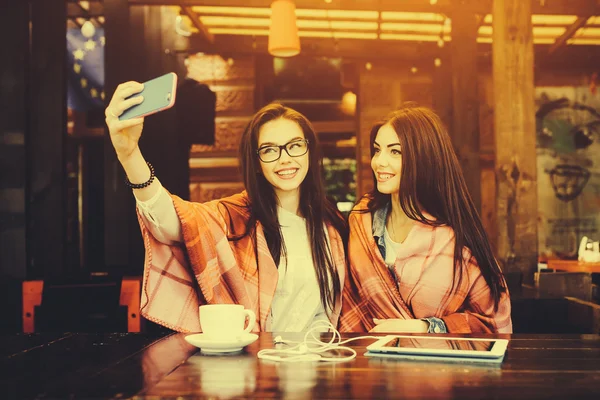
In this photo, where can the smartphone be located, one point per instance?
(159, 95)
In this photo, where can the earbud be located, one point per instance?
(278, 340)
(302, 348)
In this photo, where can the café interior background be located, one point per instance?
(67, 217)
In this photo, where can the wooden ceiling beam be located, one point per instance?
(566, 7)
(203, 31)
(321, 47)
(580, 57)
(374, 5)
(550, 7)
(568, 34)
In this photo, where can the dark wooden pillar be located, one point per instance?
(14, 45)
(514, 124)
(45, 141)
(14, 53)
(162, 143)
(32, 142)
(119, 205)
(138, 47)
(465, 99)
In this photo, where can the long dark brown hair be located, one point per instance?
(314, 206)
(431, 180)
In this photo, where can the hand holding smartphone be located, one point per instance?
(159, 95)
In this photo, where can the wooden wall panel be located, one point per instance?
(214, 168)
(382, 89)
(207, 191)
(214, 69)
(228, 131)
(234, 100)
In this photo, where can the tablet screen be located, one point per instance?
(440, 344)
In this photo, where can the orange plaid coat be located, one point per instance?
(424, 271)
(211, 269)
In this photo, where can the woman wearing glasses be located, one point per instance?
(276, 248)
(419, 259)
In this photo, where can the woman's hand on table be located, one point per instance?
(396, 325)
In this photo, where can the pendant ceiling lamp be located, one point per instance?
(283, 32)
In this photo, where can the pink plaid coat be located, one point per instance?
(424, 270)
(211, 269)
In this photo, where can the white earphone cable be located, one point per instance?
(311, 347)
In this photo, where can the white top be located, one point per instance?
(391, 249)
(297, 300)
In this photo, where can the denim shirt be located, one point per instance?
(436, 325)
(379, 218)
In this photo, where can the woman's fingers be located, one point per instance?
(129, 90)
(115, 126)
(378, 321)
(120, 100)
(126, 104)
(112, 112)
(377, 329)
(383, 325)
(128, 123)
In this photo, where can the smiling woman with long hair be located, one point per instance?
(420, 260)
(238, 249)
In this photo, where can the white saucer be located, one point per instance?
(210, 345)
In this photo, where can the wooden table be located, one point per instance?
(574, 266)
(142, 365)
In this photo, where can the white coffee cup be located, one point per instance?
(226, 320)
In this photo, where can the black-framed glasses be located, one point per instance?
(295, 148)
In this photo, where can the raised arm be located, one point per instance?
(157, 209)
(125, 136)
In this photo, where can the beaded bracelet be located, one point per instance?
(141, 185)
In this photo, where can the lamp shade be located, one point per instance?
(283, 32)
